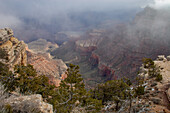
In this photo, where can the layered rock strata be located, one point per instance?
(12, 51)
(44, 65)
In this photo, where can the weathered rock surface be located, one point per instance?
(155, 98)
(158, 92)
(87, 43)
(5, 34)
(41, 46)
(12, 51)
(43, 62)
(168, 58)
(44, 65)
(28, 104)
(165, 68)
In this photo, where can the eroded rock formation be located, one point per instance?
(41, 46)
(44, 65)
(12, 51)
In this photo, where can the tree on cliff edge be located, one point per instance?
(72, 93)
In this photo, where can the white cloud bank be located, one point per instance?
(159, 4)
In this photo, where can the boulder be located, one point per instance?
(168, 58)
(28, 104)
(156, 100)
(153, 84)
(161, 58)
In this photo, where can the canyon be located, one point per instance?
(106, 54)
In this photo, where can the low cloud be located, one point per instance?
(52, 16)
(161, 4)
(51, 8)
(9, 21)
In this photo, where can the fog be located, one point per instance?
(45, 10)
(44, 18)
(159, 4)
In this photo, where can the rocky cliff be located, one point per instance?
(44, 65)
(43, 62)
(156, 93)
(12, 51)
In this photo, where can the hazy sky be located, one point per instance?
(12, 10)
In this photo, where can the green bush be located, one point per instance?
(140, 90)
(8, 108)
(153, 70)
(159, 77)
(114, 90)
(147, 62)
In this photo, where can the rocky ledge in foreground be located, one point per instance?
(28, 104)
(157, 94)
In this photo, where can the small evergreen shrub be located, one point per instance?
(159, 77)
(140, 90)
(147, 62)
(153, 70)
(8, 108)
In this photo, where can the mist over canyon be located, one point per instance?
(44, 19)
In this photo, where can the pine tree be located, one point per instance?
(114, 90)
(72, 93)
(71, 90)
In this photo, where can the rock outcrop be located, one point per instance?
(12, 51)
(41, 46)
(157, 93)
(43, 62)
(44, 65)
(28, 104)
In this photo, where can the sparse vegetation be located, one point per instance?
(153, 70)
(158, 77)
(114, 90)
(3, 96)
(70, 94)
(147, 62)
(140, 90)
